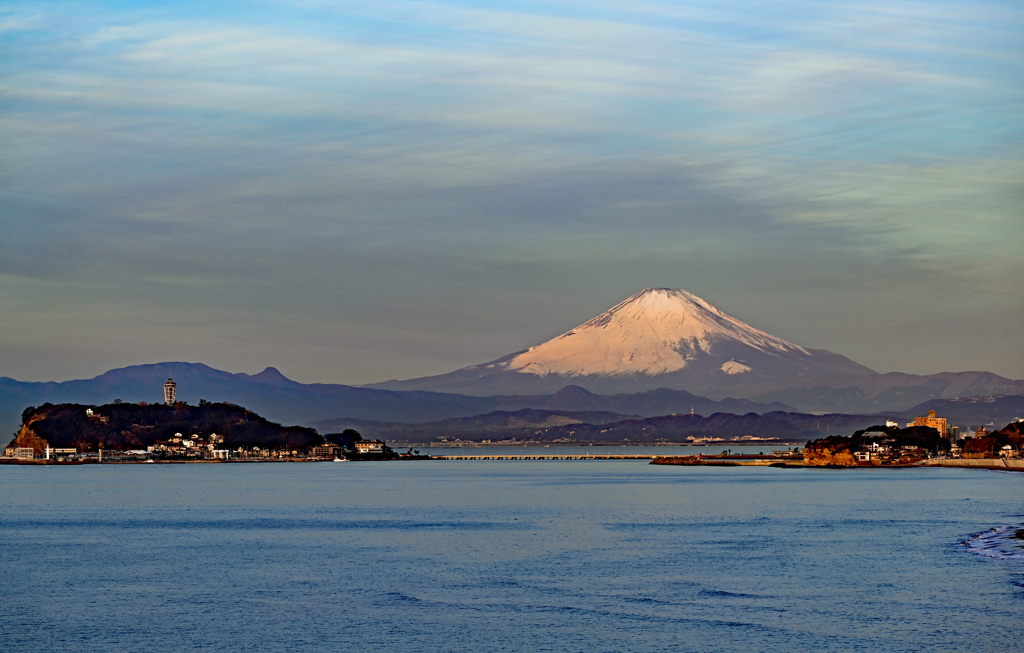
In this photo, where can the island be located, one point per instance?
(177, 432)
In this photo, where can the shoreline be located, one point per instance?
(705, 460)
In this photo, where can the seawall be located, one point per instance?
(1014, 464)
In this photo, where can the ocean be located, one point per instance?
(508, 556)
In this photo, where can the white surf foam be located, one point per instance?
(1002, 542)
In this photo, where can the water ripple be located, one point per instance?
(1002, 542)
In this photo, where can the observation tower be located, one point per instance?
(170, 392)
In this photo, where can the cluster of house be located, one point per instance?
(192, 446)
(96, 417)
(206, 448)
(1006, 451)
(444, 443)
(882, 452)
(744, 439)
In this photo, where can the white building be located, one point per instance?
(370, 446)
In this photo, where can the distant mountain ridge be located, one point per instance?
(594, 426)
(328, 407)
(893, 391)
(498, 425)
(282, 400)
(270, 393)
(578, 427)
(551, 426)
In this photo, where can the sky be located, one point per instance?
(360, 191)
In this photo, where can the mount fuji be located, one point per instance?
(658, 338)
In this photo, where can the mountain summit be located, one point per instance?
(659, 337)
(655, 331)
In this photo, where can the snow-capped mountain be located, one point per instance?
(653, 332)
(659, 337)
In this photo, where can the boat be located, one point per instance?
(340, 460)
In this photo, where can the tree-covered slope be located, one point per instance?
(122, 426)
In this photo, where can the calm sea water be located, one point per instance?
(508, 556)
(599, 450)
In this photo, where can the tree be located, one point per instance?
(27, 413)
(346, 439)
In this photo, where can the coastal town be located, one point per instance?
(197, 448)
(927, 440)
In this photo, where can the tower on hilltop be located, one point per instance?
(170, 392)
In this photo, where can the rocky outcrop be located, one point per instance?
(829, 452)
(26, 437)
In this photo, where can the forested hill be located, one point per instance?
(122, 426)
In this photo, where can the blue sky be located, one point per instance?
(354, 192)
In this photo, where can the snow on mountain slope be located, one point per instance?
(656, 331)
(734, 367)
(658, 338)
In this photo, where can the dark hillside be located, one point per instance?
(122, 426)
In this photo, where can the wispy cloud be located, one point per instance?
(444, 146)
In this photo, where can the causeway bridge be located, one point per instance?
(746, 460)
